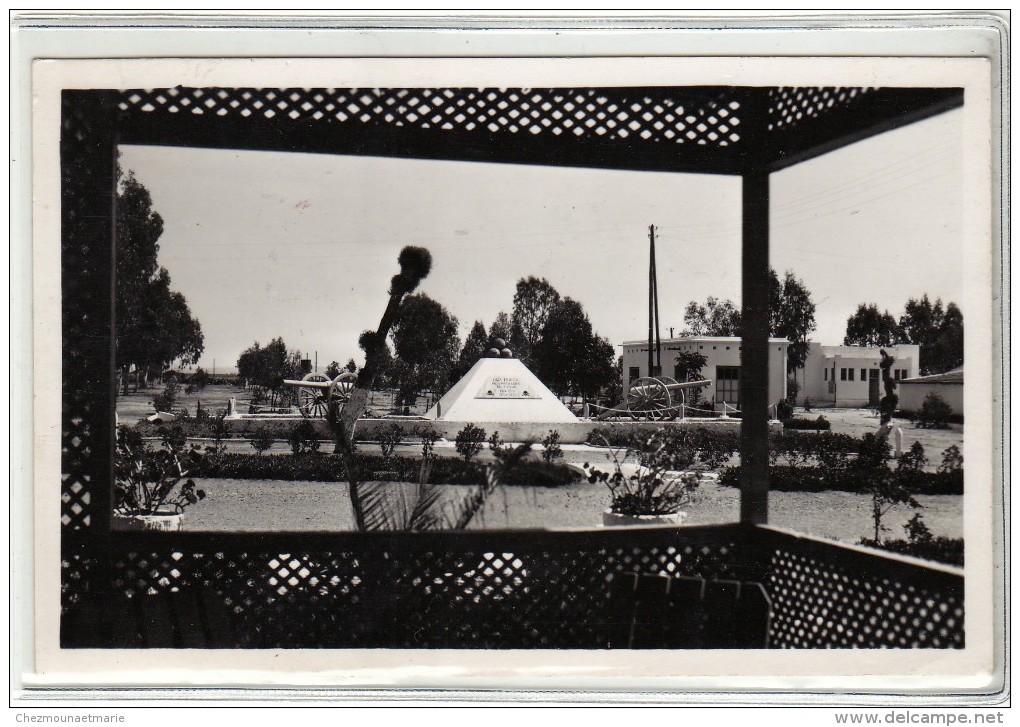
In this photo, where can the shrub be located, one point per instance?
(148, 481)
(389, 438)
(262, 439)
(429, 437)
(303, 438)
(784, 409)
(792, 389)
(821, 424)
(198, 381)
(912, 461)
(665, 481)
(551, 450)
(165, 400)
(920, 543)
(952, 460)
(935, 412)
(469, 441)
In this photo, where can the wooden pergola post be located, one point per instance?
(754, 361)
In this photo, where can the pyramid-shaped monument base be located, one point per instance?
(500, 390)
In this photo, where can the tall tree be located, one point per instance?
(155, 327)
(267, 366)
(948, 353)
(868, 327)
(689, 365)
(534, 300)
(570, 358)
(791, 316)
(501, 328)
(475, 346)
(937, 330)
(715, 318)
(425, 338)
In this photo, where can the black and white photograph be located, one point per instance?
(585, 357)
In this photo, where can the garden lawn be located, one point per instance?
(247, 505)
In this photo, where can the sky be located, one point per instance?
(267, 244)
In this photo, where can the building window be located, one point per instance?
(727, 384)
(842, 374)
(635, 373)
(826, 372)
(864, 374)
(849, 374)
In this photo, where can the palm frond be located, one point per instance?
(380, 505)
(423, 514)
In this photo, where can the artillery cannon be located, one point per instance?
(654, 399)
(315, 392)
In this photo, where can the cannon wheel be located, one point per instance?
(649, 398)
(313, 402)
(341, 388)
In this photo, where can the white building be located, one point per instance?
(949, 386)
(849, 376)
(842, 376)
(722, 367)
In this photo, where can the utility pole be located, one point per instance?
(654, 357)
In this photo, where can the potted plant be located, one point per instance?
(151, 492)
(665, 478)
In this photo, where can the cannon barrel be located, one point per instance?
(671, 387)
(308, 384)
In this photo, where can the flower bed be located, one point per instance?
(318, 467)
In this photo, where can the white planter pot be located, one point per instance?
(163, 522)
(611, 518)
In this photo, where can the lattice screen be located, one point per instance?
(693, 117)
(794, 106)
(310, 594)
(819, 603)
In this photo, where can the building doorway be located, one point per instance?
(727, 385)
(873, 388)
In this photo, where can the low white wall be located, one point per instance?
(570, 433)
(912, 395)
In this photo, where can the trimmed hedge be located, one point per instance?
(193, 427)
(791, 445)
(943, 550)
(329, 468)
(821, 424)
(912, 416)
(715, 439)
(784, 478)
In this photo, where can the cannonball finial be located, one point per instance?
(493, 353)
(498, 343)
(506, 353)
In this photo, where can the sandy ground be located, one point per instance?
(245, 505)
